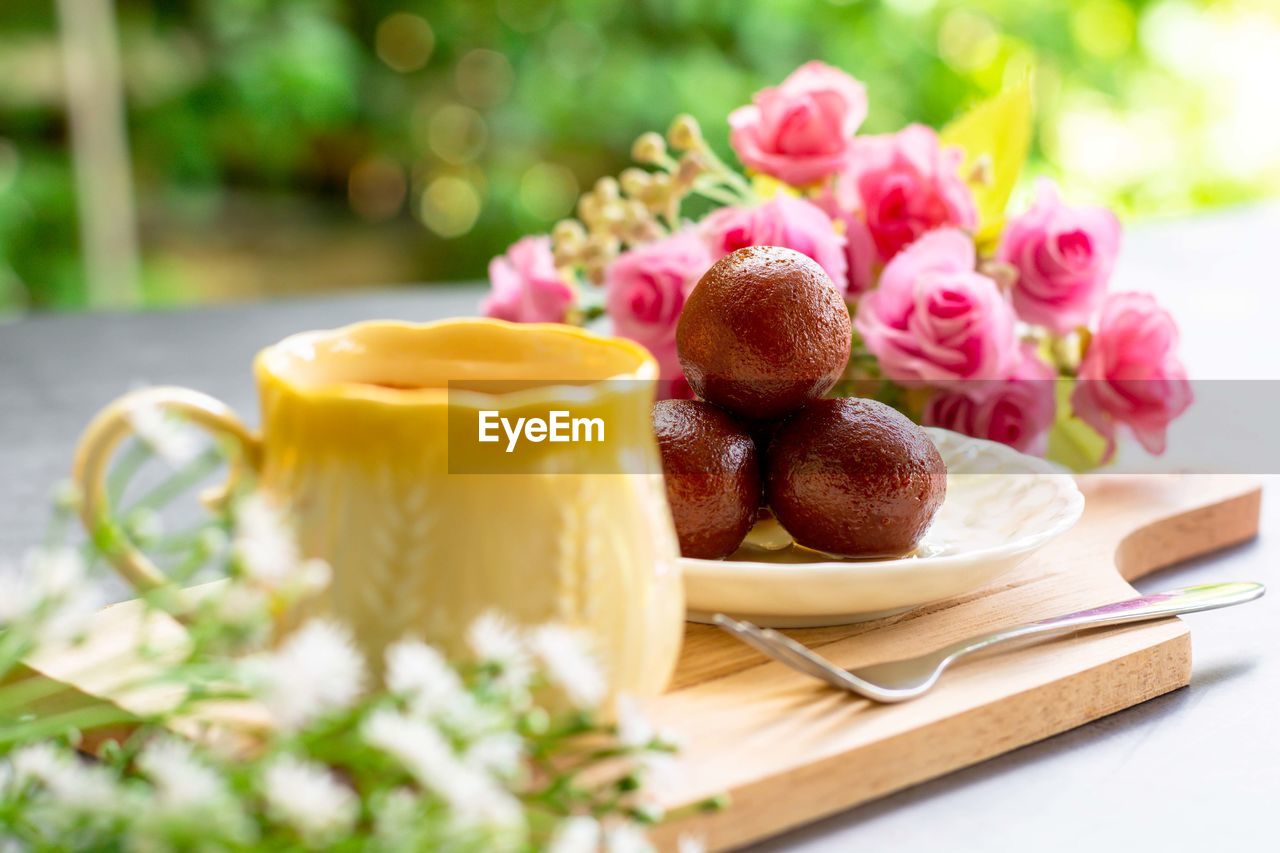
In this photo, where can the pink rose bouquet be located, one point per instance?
(527, 287)
(993, 322)
(644, 292)
(792, 223)
(802, 131)
(907, 184)
(934, 318)
(1063, 257)
(1017, 411)
(1131, 375)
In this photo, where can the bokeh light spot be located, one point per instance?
(1104, 28)
(911, 7)
(404, 41)
(457, 134)
(967, 41)
(548, 191)
(484, 77)
(525, 16)
(376, 188)
(574, 49)
(450, 206)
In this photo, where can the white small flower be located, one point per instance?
(309, 798)
(564, 652)
(687, 843)
(70, 618)
(57, 571)
(469, 719)
(264, 542)
(213, 541)
(36, 763)
(183, 783)
(496, 641)
(50, 594)
(626, 838)
(499, 753)
(240, 604)
(66, 496)
(316, 671)
(394, 818)
(634, 729)
(659, 771)
(75, 785)
(422, 675)
(169, 437)
(578, 834)
(474, 797)
(414, 743)
(144, 525)
(185, 789)
(313, 576)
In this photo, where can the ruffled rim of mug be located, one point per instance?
(278, 365)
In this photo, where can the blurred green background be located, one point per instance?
(300, 145)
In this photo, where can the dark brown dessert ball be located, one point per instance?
(854, 478)
(763, 332)
(712, 476)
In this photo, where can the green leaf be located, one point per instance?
(1072, 442)
(999, 129)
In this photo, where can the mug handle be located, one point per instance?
(115, 423)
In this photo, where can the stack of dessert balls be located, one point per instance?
(763, 337)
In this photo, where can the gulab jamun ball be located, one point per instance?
(712, 475)
(854, 478)
(763, 332)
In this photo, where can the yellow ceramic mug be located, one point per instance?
(370, 438)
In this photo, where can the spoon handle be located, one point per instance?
(1209, 596)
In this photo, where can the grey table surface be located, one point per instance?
(1198, 769)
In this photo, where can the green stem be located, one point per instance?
(179, 482)
(122, 472)
(735, 180)
(14, 646)
(716, 193)
(15, 697)
(56, 531)
(185, 570)
(81, 719)
(176, 543)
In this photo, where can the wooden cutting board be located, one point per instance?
(788, 750)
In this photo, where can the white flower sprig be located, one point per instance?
(502, 751)
(308, 798)
(317, 671)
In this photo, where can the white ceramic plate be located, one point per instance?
(1001, 506)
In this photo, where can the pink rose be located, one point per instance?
(525, 285)
(644, 292)
(906, 184)
(1131, 374)
(787, 221)
(861, 257)
(1017, 412)
(934, 319)
(801, 131)
(1063, 256)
